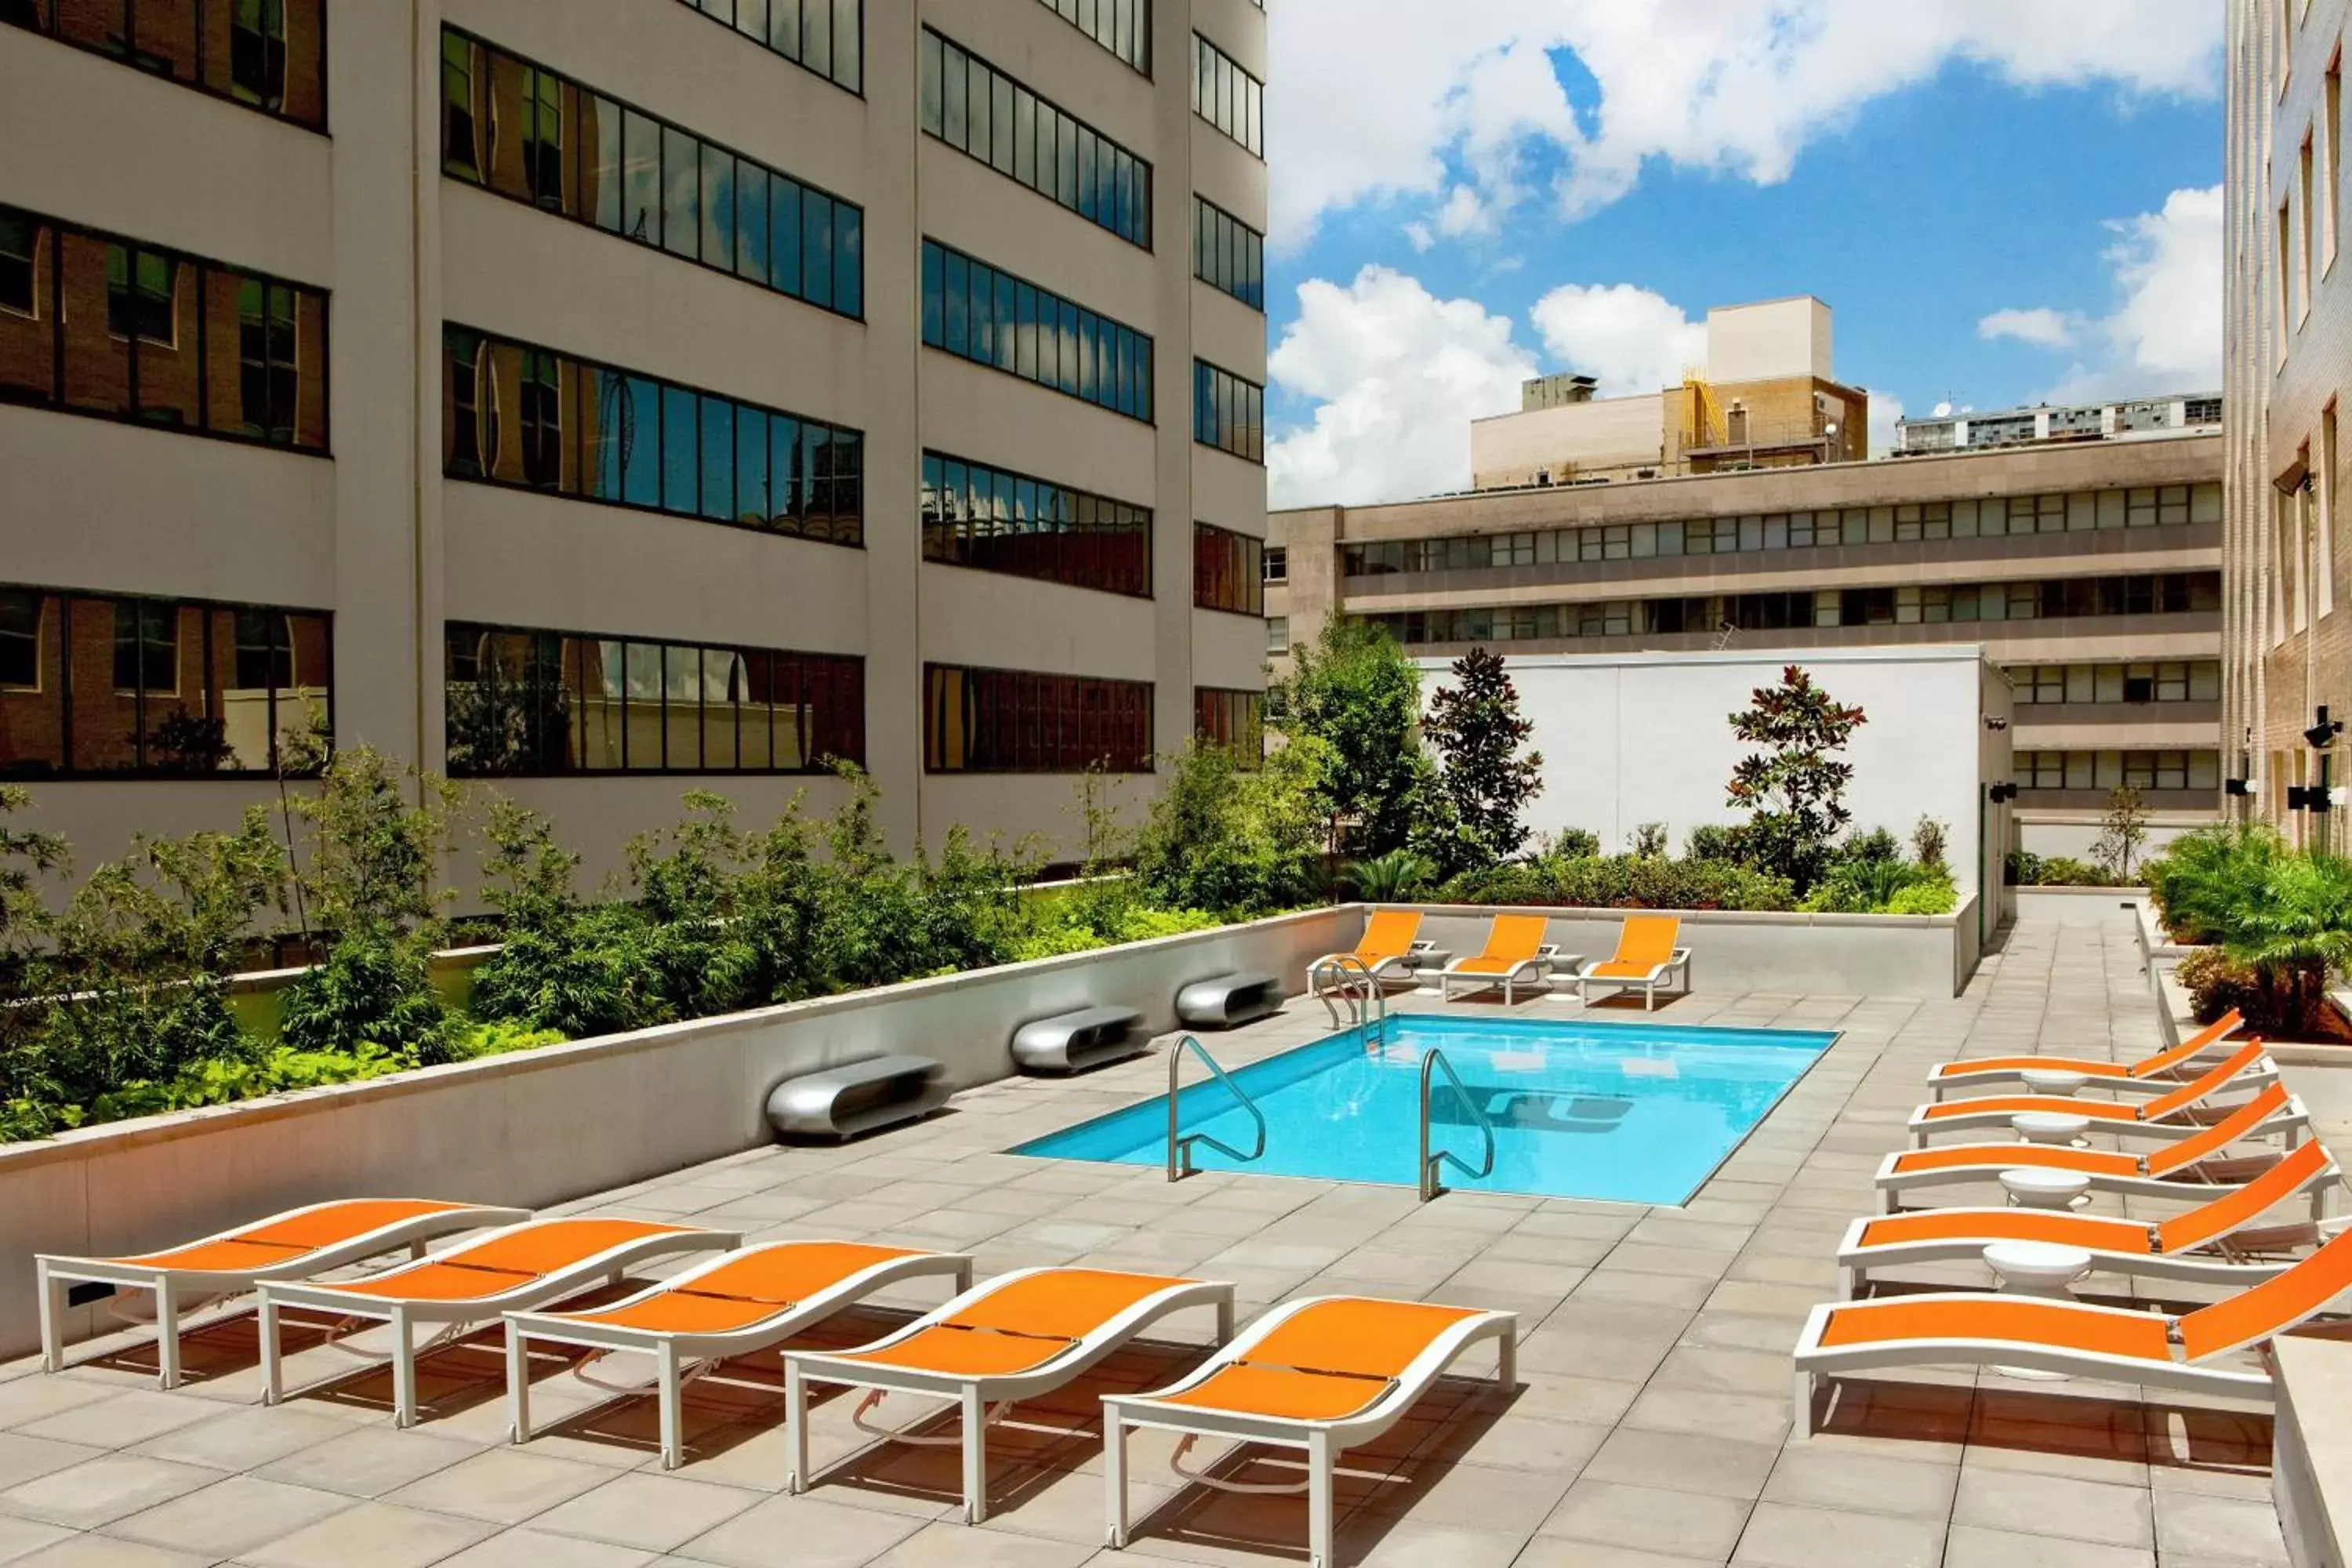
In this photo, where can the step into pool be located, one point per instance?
(1635, 1112)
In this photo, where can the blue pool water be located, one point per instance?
(1637, 1112)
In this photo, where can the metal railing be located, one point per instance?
(1430, 1159)
(1180, 1142)
(1336, 976)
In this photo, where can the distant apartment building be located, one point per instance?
(606, 400)
(2087, 567)
(1764, 399)
(2288, 347)
(1967, 431)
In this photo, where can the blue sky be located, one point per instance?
(2012, 208)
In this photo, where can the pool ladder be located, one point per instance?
(1431, 1160)
(1351, 980)
(1180, 1142)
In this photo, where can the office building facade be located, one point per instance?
(2287, 348)
(2089, 570)
(608, 400)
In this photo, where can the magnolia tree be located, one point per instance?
(1484, 782)
(1795, 787)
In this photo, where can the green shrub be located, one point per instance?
(1717, 841)
(2025, 868)
(1239, 842)
(1875, 846)
(368, 988)
(225, 1080)
(1928, 896)
(1390, 878)
(1623, 881)
(1567, 844)
(2217, 985)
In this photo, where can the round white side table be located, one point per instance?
(2054, 1080)
(2050, 1127)
(2038, 1269)
(2036, 1189)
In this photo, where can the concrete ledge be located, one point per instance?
(543, 1126)
(2069, 906)
(1777, 952)
(2311, 1470)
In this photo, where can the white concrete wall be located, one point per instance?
(540, 1127)
(1782, 954)
(1613, 430)
(1635, 738)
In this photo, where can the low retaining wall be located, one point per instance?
(543, 1126)
(1830, 955)
(2069, 905)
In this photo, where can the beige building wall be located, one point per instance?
(376, 535)
(2288, 348)
(1564, 606)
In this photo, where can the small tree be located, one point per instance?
(1927, 839)
(2122, 833)
(1483, 780)
(1795, 788)
(1234, 842)
(1353, 690)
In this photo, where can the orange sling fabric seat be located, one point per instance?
(2095, 1232)
(2240, 1205)
(503, 1263)
(2242, 1122)
(2014, 1320)
(1512, 940)
(1020, 1327)
(1325, 1362)
(747, 1289)
(1645, 942)
(1389, 933)
(2156, 1110)
(2147, 1067)
(280, 1240)
(2277, 1303)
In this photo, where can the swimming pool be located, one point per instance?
(1636, 1112)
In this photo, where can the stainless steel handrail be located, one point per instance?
(1430, 1162)
(1370, 1004)
(1180, 1143)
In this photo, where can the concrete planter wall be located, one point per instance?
(1831, 955)
(542, 1126)
(2069, 906)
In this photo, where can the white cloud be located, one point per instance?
(2165, 333)
(1408, 98)
(1628, 338)
(1885, 409)
(2041, 327)
(1397, 374)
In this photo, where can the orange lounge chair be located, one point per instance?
(1645, 955)
(2150, 1075)
(294, 1245)
(1323, 1374)
(522, 1265)
(2153, 1349)
(735, 1304)
(1013, 1338)
(2210, 1242)
(1389, 950)
(1515, 955)
(2181, 1113)
(2196, 1166)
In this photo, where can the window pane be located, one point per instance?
(681, 471)
(817, 245)
(681, 192)
(717, 206)
(641, 182)
(848, 260)
(717, 457)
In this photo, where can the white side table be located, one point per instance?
(2054, 1080)
(2029, 1188)
(2050, 1127)
(2038, 1269)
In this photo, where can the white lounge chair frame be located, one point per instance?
(1856, 1260)
(2254, 1077)
(2180, 1124)
(1995, 1158)
(1395, 966)
(612, 1263)
(174, 1288)
(976, 1396)
(1322, 1441)
(675, 1354)
(1815, 1362)
(1647, 982)
(2159, 1082)
(1535, 971)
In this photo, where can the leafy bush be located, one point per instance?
(1717, 841)
(2283, 916)
(369, 988)
(2025, 868)
(1927, 840)
(225, 1080)
(1354, 690)
(1859, 886)
(1649, 841)
(1928, 896)
(2217, 985)
(2199, 884)
(1390, 878)
(1623, 881)
(1238, 842)
(1877, 846)
(1567, 844)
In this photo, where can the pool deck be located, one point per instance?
(1650, 1429)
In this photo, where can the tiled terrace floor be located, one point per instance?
(1650, 1429)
